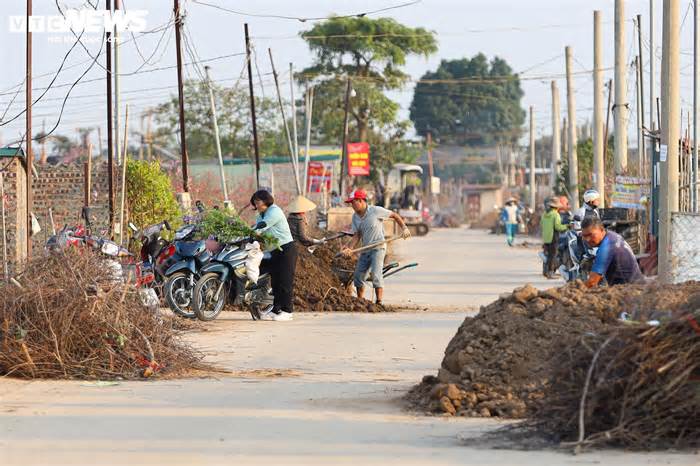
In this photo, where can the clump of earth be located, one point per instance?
(497, 362)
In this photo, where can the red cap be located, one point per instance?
(357, 194)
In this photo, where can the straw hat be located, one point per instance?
(300, 204)
(554, 202)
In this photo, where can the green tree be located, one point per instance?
(469, 101)
(149, 194)
(584, 154)
(233, 117)
(371, 52)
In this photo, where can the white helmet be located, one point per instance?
(590, 196)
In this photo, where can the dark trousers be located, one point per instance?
(550, 250)
(282, 265)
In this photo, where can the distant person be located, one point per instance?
(551, 226)
(591, 201)
(368, 228)
(510, 215)
(614, 260)
(336, 200)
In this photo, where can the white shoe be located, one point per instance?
(283, 316)
(269, 315)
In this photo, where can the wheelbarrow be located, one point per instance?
(345, 276)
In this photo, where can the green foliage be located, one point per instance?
(584, 153)
(227, 227)
(150, 195)
(371, 53)
(233, 117)
(484, 109)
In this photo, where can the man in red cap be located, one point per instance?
(368, 227)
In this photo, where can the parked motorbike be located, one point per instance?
(181, 277)
(227, 278)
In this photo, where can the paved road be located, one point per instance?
(462, 268)
(320, 390)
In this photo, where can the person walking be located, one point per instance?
(299, 222)
(368, 227)
(511, 218)
(282, 263)
(551, 227)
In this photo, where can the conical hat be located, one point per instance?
(300, 204)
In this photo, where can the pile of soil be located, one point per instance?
(317, 287)
(498, 362)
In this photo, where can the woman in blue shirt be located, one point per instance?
(283, 259)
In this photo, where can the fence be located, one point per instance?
(685, 247)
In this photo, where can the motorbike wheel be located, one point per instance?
(178, 294)
(205, 306)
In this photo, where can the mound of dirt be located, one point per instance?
(318, 288)
(497, 363)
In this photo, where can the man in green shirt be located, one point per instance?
(551, 226)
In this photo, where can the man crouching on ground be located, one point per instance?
(368, 227)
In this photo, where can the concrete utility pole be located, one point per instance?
(565, 137)
(696, 92)
(292, 157)
(28, 137)
(181, 97)
(215, 124)
(640, 125)
(573, 156)
(295, 137)
(309, 117)
(670, 127)
(110, 125)
(117, 95)
(533, 184)
(621, 107)
(640, 109)
(652, 69)
(344, 156)
(598, 97)
(556, 141)
(252, 107)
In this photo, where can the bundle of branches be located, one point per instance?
(225, 228)
(66, 316)
(635, 386)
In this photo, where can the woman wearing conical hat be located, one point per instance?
(298, 221)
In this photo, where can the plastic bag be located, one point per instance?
(252, 262)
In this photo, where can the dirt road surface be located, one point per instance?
(320, 390)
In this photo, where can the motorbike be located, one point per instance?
(227, 277)
(190, 256)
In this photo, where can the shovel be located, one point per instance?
(311, 249)
(371, 246)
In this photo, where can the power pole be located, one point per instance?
(573, 156)
(696, 91)
(309, 117)
(286, 125)
(344, 151)
(252, 108)
(117, 95)
(215, 124)
(28, 137)
(295, 137)
(641, 145)
(110, 125)
(533, 187)
(670, 127)
(640, 130)
(621, 107)
(556, 141)
(565, 137)
(181, 97)
(598, 135)
(652, 68)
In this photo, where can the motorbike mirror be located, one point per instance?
(577, 218)
(132, 227)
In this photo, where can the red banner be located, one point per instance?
(319, 174)
(358, 159)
